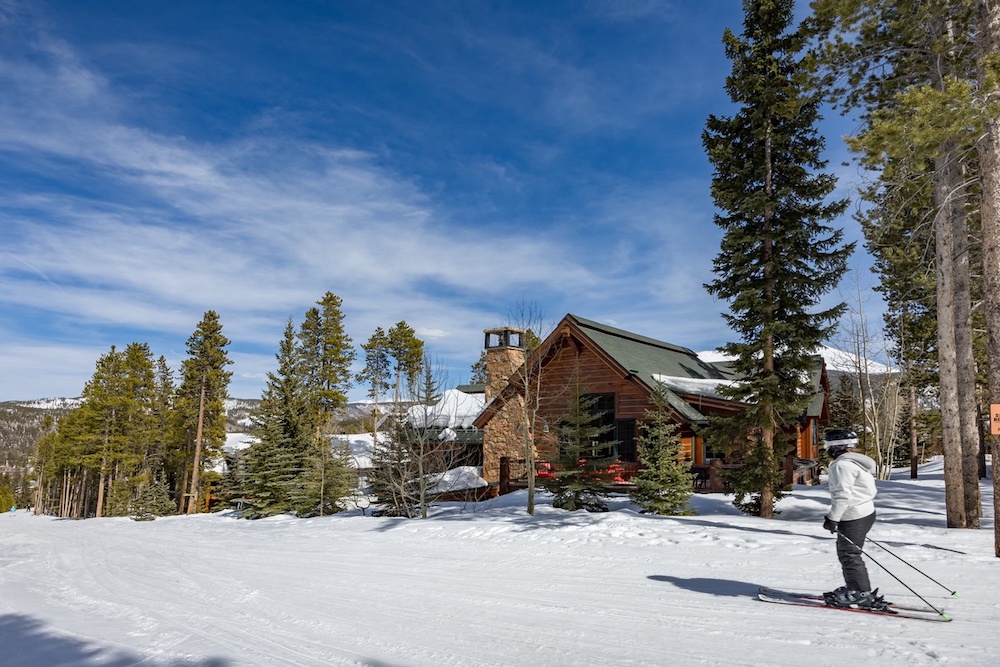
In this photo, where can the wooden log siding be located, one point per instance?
(577, 364)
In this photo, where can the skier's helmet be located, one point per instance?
(840, 438)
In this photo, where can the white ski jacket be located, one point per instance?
(851, 479)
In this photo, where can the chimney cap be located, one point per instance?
(504, 337)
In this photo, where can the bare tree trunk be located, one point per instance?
(965, 360)
(989, 173)
(196, 467)
(946, 174)
(64, 496)
(914, 457)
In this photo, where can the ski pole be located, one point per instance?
(883, 548)
(924, 600)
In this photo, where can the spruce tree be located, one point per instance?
(778, 255)
(663, 484)
(285, 429)
(581, 471)
(326, 354)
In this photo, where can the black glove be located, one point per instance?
(830, 525)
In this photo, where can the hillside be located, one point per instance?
(21, 423)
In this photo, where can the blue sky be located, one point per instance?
(433, 162)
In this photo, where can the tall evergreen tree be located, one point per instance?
(376, 373)
(407, 353)
(103, 411)
(285, 429)
(200, 401)
(778, 254)
(326, 353)
(663, 484)
(326, 357)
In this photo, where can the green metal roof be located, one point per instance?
(647, 357)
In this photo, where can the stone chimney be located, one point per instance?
(504, 355)
(503, 436)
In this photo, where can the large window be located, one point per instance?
(625, 435)
(618, 439)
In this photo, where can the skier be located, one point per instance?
(852, 514)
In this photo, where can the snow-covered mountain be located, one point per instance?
(50, 403)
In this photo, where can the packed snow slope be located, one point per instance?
(489, 585)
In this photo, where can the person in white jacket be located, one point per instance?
(851, 480)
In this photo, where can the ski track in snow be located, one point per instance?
(491, 587)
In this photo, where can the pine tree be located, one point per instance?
(200, 401)
(407, 353)
(102, 412)
(326, 357)
(92, 462)
(581, 471)
(778, 256)
(376, 373)
(329, 476)
(663, 484)
(6, 496)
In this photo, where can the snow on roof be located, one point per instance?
(457, 479)
(696, 386)
(455, 409)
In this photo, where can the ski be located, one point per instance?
(774, 592)
(817, 601)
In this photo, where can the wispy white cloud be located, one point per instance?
(125, 230)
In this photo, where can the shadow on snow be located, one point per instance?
(27, 642)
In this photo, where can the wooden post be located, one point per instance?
(504, 475)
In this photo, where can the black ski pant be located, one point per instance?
(850, 539)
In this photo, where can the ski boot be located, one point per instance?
(845, 597)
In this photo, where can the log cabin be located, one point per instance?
(616, 371)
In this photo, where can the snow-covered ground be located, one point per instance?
(489, 585)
